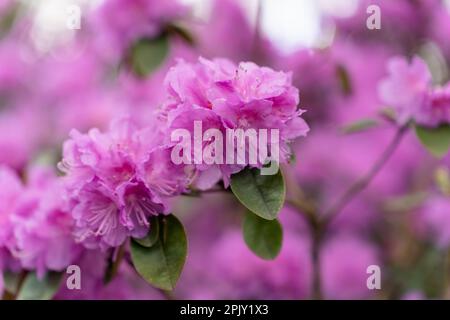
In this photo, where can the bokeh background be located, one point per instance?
(54, 79)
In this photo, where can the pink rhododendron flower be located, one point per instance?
(313, 170)
(126, 285)
(13, 69)
(4, 5)
(1, 283)
(401, 20)
(406, 86)
(408, 89)
(116, 181)
(414, 295)
(225, 276)
(224, 96)
(440, 28)
(220, 37)
(344, 262)
(10, 190)
(20, 136)
(434, 220)
(242, 275)
(43, 229)
(119, 23)
(436, 109)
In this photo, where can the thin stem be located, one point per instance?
(303, 207)
(315, 250)
(361, 184)
(446, 293)
(312, 217)
(308, 210)
(296, 197)
(114, 262)
(257, 32)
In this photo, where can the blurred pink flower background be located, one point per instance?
(61, 105)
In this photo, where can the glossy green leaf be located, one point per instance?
(263, 237)
(152, 237)
(40, 289)
(435, 140)
(162, 263)
(262, 194)
(148, 54)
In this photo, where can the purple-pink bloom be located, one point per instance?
(234, 272)
(125, 285)
(405, 87)
(117, 24)
(4, 5)
(436, 108)
(42, 227)
(10, 190)
(116, 181)
(224, 96)
(344, 262)
(408, 89)
(21, 133)
(434, 220)
(414, 295)
(13, 68)
(217, 36)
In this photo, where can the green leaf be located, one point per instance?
(262, 194)
(40, 289)
(442, 179)
(148, 54)
(162, 263)
(359, 126)
(405, 203)
(183, 33)
(436, 140)
(388, 114)
(263, 237)
(11, 281)
(7, 20)
(344, 79)
(152, 237)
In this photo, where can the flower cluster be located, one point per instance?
(35, 227)
(227, 96)
(238, 274)
(120, 23)
(409, 90)
(10, 191)
(106, 103)
(42, 225)
(434, 220)
(342, 276)
(116, 181)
